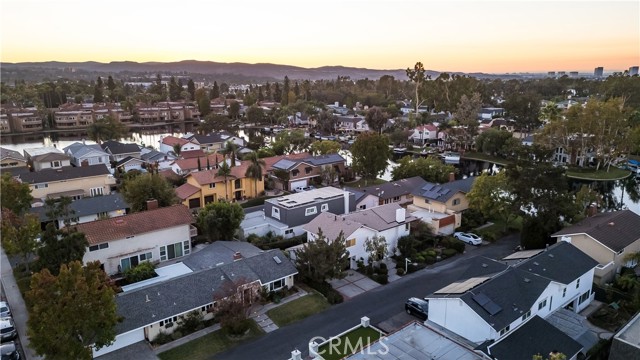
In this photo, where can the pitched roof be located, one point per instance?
(219, 253)
(270, 161)
(115, 147)
(64, 173)
(118, 228)
(129, 159)
(380, 218)
(561, 262)
(444, 192)
(155, 155)
(536, 336)
(192, 154)
(185, 190)
(78, 149)
(172, 140)
(10, 154)
(615, 230)
(49, 157)
(192, 163)
(331, 225)
(324, 159)
(89, 206)
(394, 188)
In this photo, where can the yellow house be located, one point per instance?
(203, 187)
(75, 182)
(11, 158)
(608, 238)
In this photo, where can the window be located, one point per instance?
(584, 297)
(186, 247)
(95, 191)
(362, 207)
(130, 262)
(276, 285)
(577, 283)
(396, 198)
(526, 315)
(212, 185)
(288, 231)
(206, 307)
(308, 170)
(456, 201)
(310, 211)
(174, 251)
(237, 184)
(208, 199)
(194, 203)
(351, 242)
(275, 213)
(55, 164)
(98, 247)
(41, 186)
(505, 330)
(542, 304)
(145, 256)
(631, 263)
(324, 207)
(295, 172)
(406, 227)
(564, 292)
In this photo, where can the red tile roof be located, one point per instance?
(269, 161)
(211, 176)
(118, 228)
(186, 190)
(172, 140)
(188, 154)
(192, 163)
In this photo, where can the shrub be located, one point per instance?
(162, 338)
(324, 288)
(383, 266)
(399, 271)
(191, 322)
(381, 278)
(237, 327)
(430, 260)
(176, 335)
(145, 270)
(453, 243)
(449, 252)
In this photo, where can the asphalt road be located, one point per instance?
(378, 304)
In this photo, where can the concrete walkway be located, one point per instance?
(353, 284)
(16, 303)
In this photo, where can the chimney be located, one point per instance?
(346, 202)
(296, 355)
(400, 215)
(237, 256)
(152, 204)
(592, 210)
(452, 177)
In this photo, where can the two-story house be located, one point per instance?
(48, 157)
(399, 191)
(302, 172)
(424, 134)
(214, 141)
(389, 221)
(88, 209)
(441, 205)
(11, 159)
(189, 164)
(155, 157)
(82, 154)
(608, 238)
(118, 151)
(286, 215)
(75, 182)
(155, 235)
(169, 143)
(351, 124)
(493, 299)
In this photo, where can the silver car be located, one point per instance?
(7, 329)
(4, 309)
(469, 238)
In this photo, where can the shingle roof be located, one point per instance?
(324, 159)
(117, 228)
(89, 206)
(331, 225)
(185, 190)
(115, 147)
(49, 157)
(536, 336)
(394, 188)
(78, 149)
(269, 161)
(561, 262)
(446, 191)
(219, 253)
(155, 155)
(129, 159)
(615, 230)
(10, 154)
(64, 173)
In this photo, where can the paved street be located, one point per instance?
(379, 304)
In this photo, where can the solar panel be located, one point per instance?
(481, 299)
(462, 286)
(487, 304)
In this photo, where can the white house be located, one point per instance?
(123, 242)
(167, 143)
(83, 154)
(388, 221)
(490, 302)
(424, 134)
(48, 157)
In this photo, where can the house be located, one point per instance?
(11, 159)
(298, 119)
(389, 221)
(286, 215)
(626, 342)
(75, 182)
(151, 309)
(355, 123)
(185, 166)
(214, 141)
(424, 134)
(118, 151)
(206, 186)
(399, 191)
(82, 154)
(130, 163)
(441, 205)
(88, 209)
(48, 157)
(490, 113)
(157, 235)
(608, 238)
(305, 171)
(168, 144)
(491, 301)
(155, 157)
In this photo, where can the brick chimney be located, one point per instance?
(452, 177)
(237, 256)
(152, 204)
(592, 210)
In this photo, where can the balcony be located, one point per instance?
(193, 231)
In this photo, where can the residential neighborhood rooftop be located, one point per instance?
(64, 173)
(615, 230)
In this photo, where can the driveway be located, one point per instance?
(353, 284)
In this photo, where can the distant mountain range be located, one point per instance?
(209, 69)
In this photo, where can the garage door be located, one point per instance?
(121, 341)
(296, 184)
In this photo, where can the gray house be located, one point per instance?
(287, 215)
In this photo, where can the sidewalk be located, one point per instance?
(17, 305)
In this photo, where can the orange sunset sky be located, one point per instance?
(468, 36)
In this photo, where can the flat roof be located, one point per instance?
(523, 254)
(307, 197)
(630, 333)
(164, 273)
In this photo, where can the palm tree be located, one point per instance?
(231, 149)
(225, 170)
(254, 170)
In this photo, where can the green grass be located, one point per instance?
(614, 173)
(347, 344)
(213, 343)
(361, 183)
(485, 157)
(298, 309)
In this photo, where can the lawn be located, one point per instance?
(349, 343)
(361, 183)
(298, 309)
(204, 347)
(485, 157)
(614, 173)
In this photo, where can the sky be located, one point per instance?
(455, 35)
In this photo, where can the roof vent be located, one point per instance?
(550, 255)
(277, 260)
(147, 298)
(119, 221)
(527, 280)
(612, 223)
(535, 263)
(485, 265)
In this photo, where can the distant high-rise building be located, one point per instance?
(633, 70)
(597, 72)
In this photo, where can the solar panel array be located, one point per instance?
(433, 191)
(487, 304)
(462, 286)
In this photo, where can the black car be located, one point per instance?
(417, 307)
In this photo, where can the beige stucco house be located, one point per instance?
(608, 238)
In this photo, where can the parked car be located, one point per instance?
(8, 351)
(7, 329)
(469, 238)
(417, 307)
(4, 309)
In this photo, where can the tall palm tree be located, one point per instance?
(225, 170)
(231, 149)
(254, 170)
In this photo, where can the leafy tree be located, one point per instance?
(370, 154)
(291, 141)
(376, 119)
(326, 122)
(60, 209)
(231, 150)
(552, 356)
(215, 91)
(324, 147)
(495, 142)
(143, 271)
(255, 169)
(377, 248)
(220, 220)
(71, 312)
(234, 109)
(491, 196)
(524, 108)
(61, 247)
(204, 104)
(225, 171)
(285, 92)
(19, 234)
(255, 114)
(16, 196)
(322, 259)
(466, 116)
(417, 75)
(107, 128)
(98, 91)
(138, 190)
(233, 309)
(191, 88)
(428, 168)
